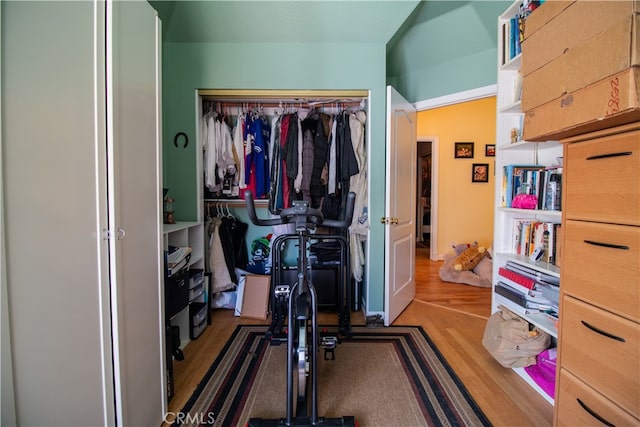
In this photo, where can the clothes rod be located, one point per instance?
(284, 104)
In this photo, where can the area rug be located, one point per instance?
(392, 376)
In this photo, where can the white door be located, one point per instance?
(400, 209)
(133, 82)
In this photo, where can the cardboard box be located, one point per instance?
(543, 14)
(609, 102)
(548, 37)
(255, 297)
(604, 55)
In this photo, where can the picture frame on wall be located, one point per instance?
(490, 150)
(464, 150)
(480, 172)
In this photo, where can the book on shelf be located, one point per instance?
(171, 270)
(553, 190)
(532, 300)
(526, 282)
(176, 254)
(176, 258)
(519, 179)
(513, 30)
(533, 273)
(517, 88)
(529, 235)
(515, 308)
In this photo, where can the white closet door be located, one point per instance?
(133, 81)
(52, 140)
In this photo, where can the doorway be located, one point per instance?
(427, 197)
(424, 158)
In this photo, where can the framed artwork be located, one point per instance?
(480, 172)
(490, 150)
(464, 150)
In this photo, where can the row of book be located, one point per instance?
(513, 30)
(543, 182)
(534, 238)
(535, 292)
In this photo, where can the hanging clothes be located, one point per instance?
(238, 147)
(210, 152)
(315, 149)
(257, 136)
(276, 202)
(221, 279)
(346, 165)
(358, 184)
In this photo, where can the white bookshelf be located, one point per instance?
(186, 234)
(509, 116)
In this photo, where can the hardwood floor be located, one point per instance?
(453, 315)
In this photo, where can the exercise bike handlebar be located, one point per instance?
(311, 215)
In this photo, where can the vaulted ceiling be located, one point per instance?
(263, 21)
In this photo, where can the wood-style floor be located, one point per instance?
(453, 315)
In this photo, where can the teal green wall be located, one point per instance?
(448, 47)
(190, 66)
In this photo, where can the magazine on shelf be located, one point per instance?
(531, 300)
(177, 254)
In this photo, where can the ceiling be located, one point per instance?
(288, 21)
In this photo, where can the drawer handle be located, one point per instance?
(601, 332)
(594, 414)
(606, 156)
(607, 245)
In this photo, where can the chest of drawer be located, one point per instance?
(579, 404)
(602, 349)
(601, 265)
(602, 179)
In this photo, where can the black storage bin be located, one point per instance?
(169, 360)
(197, 319)
(176, 292)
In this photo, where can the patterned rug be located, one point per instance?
(381, 376)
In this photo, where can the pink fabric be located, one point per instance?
(544, 371)
(525, 201)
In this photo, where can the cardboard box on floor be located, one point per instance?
(609, 102)
(556, 27)
(609, 52)
(255, 296)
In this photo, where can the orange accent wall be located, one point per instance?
(465, 208)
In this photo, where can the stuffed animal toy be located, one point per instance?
(479, 276)
(469, 258)
(461, 247)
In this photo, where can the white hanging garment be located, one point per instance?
(224, 148)
(238, 144)
(210, 154)
(358, 184)
(221, 281)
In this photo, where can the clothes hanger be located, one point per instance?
(229, 214)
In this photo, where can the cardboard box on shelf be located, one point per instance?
(543, 14)
(609, 102)
(607, 53)
(548, 37)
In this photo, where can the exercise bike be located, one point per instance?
(302, 321)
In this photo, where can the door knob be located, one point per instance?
(385, 220)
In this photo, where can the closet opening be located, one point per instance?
(246, 136)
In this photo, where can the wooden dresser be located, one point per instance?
(599, 336)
